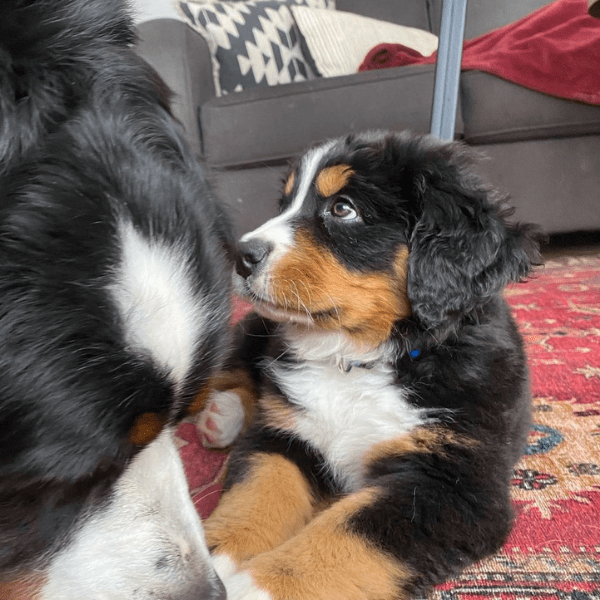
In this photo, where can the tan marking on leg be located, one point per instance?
(327, 561)
(269, 506)
(25, 587)
(278, 413)
(427, 440)
(364, 305)
(289, 184)
(146, 428)
(234, 380)
(331, 180)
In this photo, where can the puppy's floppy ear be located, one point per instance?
(463, 250)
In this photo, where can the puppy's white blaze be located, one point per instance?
(147, 541)
(278, 230)
(160, 310)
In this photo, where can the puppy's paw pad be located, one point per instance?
(222, 419)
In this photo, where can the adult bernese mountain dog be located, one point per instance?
(393, 395)
(114, 309)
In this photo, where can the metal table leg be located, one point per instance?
(447, 70)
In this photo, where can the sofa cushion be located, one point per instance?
(495, 110)
(485, 15)
(338, 41)
(273, 124)
(411, 13)
(252, 43)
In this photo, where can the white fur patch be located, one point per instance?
(160, 309)
(147, 543)
(346, 413)
(278, 230)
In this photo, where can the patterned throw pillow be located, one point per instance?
(338, 41)
(252, 43)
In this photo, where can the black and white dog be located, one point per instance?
(114, 309)
(393, 396)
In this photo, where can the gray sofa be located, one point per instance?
(544, 151)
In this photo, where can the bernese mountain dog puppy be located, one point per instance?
(393, 395)
(115, 266)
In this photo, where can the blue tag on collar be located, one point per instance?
(414, 353)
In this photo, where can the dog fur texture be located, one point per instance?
(393, 395)
(114, 310)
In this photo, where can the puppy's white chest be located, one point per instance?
(346, 414)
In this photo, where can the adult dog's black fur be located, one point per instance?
(393, 389)
(114, 307)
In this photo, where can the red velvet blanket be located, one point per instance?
(555, 50)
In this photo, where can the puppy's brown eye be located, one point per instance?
(343, 209)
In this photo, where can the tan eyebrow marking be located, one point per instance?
(289, 184)
(332, 179)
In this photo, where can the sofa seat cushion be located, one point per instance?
(495, 110)
(273, 124)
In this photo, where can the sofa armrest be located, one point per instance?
(181, 57)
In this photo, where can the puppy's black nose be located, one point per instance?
(250, 255)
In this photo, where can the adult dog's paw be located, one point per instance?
(222, 419)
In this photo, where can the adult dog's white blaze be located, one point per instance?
(147, 543)
(161, 313)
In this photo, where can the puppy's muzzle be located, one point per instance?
(252, 254)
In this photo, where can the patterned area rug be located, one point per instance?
(553, 552)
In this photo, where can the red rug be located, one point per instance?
(553, 552)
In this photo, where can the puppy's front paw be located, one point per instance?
(222, 419)
(225, 566)
(241, 586)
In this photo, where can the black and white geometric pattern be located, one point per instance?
(252, 43)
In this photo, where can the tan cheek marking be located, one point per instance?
(332, 179)
(365, 305)
(327, 560)
(268, 507)
(427, 440)
(27, 587)
(401, 272)
(146, 428)
(234, 380)
(289, 184)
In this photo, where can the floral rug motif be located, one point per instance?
(553, 552)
